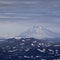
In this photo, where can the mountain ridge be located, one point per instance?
(39, 32)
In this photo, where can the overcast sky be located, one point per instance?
(18, 15)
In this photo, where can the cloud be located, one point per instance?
(6, 2)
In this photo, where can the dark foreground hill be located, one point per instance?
(30, 49)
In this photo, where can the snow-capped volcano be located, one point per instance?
(38, 32)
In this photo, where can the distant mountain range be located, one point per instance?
(37, 32)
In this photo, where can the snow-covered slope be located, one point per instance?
(38, 32)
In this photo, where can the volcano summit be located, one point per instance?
(38, 32)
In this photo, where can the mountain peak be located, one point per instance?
(38, 32)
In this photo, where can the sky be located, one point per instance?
(17, 16)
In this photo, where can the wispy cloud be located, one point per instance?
(6, 2)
